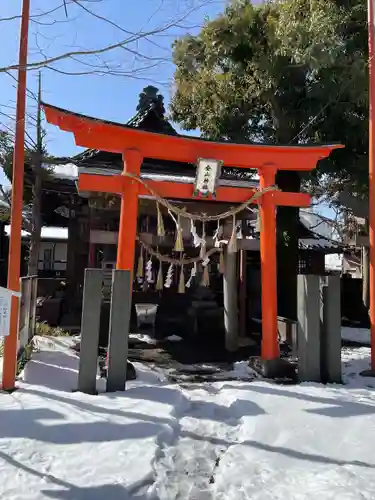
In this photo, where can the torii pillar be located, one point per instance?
(135, 145)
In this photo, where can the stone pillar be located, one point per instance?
(331, 329)
(119, 330)
(230, 300)
(308, 328)
(88, 361)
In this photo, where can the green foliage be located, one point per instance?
(24, 356)
(6, 152)
(6, 162)
(45, 330)
(288, 71)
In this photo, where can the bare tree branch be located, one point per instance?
(132, 38)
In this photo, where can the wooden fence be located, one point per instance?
(27, 315)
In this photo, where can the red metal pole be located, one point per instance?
(14, 259)
(371, 46)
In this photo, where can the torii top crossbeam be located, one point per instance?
(135, 145)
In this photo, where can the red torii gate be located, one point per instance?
(135, 145)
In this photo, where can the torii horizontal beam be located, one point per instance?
(180, 191)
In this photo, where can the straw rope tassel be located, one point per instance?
(217, 235)
(202, 253)
(160, 226)
(179, 245)
(232, 245)
(140, 265)
(159, 280)
(181, 284)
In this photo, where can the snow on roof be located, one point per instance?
(320, 225)
(47, 233)
(71, 171)
(322, 243)
(243, 183)
(333, 262)
(63, 171)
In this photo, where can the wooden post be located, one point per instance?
(91, 262)
(230, 300)
(243, 294)
(33, 306)
(270, 345)
(129, 212)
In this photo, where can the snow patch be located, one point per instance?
(174, 338)
(142, 338)
(63, 171)
(47, 233)
(359, 335)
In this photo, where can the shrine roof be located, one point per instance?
(63, 111)
(116, 137)
(149, 117)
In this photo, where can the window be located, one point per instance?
(47, 260)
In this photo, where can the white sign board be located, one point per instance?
(5, 305)
(208, 173)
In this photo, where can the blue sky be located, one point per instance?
(105, 96)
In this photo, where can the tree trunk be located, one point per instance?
(287, 248)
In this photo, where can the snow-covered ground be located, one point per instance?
(226, 440)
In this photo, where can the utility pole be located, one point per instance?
(14, 259)
(371, 46)
(36, 216)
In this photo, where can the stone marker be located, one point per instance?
(88, 361)
(119, 330)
